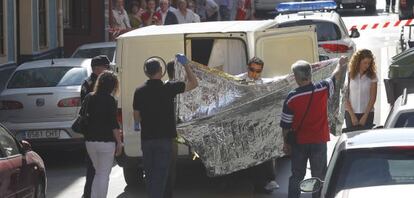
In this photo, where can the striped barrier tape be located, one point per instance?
(384, 25)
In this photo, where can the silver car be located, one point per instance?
(91, 50)
(41, 101)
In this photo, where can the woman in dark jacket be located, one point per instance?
(103, 137)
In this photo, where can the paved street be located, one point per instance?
(65, 170)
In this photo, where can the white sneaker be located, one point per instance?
(271, 185)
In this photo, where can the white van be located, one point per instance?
(224, 45)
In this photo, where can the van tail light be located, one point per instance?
(403, 3)
(69, 102)
(10, 105)
(119, 116)
(335, 48)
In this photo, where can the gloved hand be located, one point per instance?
(181, 59)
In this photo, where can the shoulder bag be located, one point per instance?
(81, 123)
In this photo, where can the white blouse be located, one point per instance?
(359, 92)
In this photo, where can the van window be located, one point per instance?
(228, 55)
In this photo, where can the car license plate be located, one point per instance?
(42, 134)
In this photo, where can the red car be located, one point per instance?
(22, 171)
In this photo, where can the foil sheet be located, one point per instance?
(234, 126)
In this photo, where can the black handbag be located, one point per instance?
(291, 135)
(81, 123)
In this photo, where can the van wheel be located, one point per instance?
(133, 176)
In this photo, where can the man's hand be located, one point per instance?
(181, 58)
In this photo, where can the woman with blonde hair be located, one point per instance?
(362, 90)
(103, 137)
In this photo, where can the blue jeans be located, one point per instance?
(157, 155)
(316, 153)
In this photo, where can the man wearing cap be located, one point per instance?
(153, 106)
(99, 64)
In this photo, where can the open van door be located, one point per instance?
(279, 48)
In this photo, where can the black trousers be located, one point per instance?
(390, 1)
(90, 174)
(368, 124)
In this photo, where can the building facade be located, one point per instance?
(30, 30)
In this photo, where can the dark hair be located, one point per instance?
(256, 60)
(170, 69)
(100, 60)
(134, 3)
(152, 67)
(107, 83)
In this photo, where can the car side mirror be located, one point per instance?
(354, 33)
(26, 146)
(311, 185)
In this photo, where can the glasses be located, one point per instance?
(255, 70)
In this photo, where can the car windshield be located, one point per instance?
(373, 167)
(92, 52)
(47, 77)
(326, 31)
(405, 120)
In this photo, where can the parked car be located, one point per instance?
(333, 37)
(400, 75)
(91, 50)
(22, 171)
(402, 112)
(373, 163)
(406, 9)
(41, 101)
(369, 5)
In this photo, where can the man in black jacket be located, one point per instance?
(99, 64)
(168, 17)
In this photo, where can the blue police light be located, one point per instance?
(305, 6)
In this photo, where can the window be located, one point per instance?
(48, 77)
(8, 146)
(76, 16)
(92, 52)
(42, 24)
(326, 31)
(1, 28)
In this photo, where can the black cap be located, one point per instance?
(101, 60)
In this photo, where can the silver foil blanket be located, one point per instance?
(233, 126)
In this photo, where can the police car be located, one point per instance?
(334, 40)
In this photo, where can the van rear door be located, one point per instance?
(280, 47)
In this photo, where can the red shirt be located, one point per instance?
(315, 127)
(145, 16)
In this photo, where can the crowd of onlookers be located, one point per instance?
(141, 13)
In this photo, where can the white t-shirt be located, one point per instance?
(121, 19)
(190, 17)
(359, 92)
(249, 80)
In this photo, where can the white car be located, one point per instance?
(334, 40)
(41, 100)
(402, 112)
(91, 50)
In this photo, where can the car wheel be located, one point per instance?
(40, 190)
(133, 176)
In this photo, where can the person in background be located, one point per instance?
(185, 15)
(254, 70)
(150, 16)
(244, 10)
(225, 7)
(135, 15)
(99, 64)
(192, 6)
(362, 90)
(305, 114)
(167, 16)
(390, 4)
(120, 19)
(103, 136)
(154, 111)
(212, 10)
